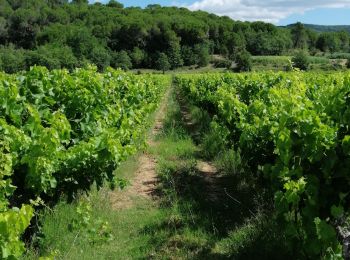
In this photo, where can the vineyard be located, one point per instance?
(61, 132)
(292, 131)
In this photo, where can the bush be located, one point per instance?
(243, 61)
(100, 57)
(121, 60)
(52, 57)
(12, 60)
(301, 60)
(221, 63)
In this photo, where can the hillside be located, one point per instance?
(61, 34)
(324, 28)
(328, 28)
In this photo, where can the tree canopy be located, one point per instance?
(62, 33)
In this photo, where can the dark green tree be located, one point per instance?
(301, 60)
(80, 1)
(188, 55)
(115, 4)
(121, 60)
(162, 62)
(299, 36)
(12, 60)
(202, 54)
(174, 55)
(243, 61)
(100, 57)
(137, 57)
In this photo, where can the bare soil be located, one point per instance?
(145, 181)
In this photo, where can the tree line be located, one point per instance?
(63, 34)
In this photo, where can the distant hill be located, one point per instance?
(326, 28)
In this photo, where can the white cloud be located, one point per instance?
(264, 10)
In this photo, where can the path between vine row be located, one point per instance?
(145, 181)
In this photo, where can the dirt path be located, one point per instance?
(206, 169)
(145, 180)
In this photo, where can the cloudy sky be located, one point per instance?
(328, 12)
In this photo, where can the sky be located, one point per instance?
(279, 12)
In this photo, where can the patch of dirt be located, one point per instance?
(206, 169)
(145, 181)
(211, 178)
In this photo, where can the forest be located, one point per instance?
(62, 34)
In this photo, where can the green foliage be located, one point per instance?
(13, 223)
(115, 4)
(101, 58)
(243, 61)
(162, 62)
(61, 132)
(348, 63)
(214, 142)
(230, 162)
(188, 55)
(96, 230)
(12, 60)
(93, 31)
(300, 60)
(138, 57)
(292, 130)
(202, 55)
(121, 60)
(174, 55)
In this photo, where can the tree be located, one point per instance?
(23, 27)
(121, 60)
(202, 54)
(12, 60)
(328, 42)
(243, 61)
(299, 36)
(80, 1)
(174, 55)
(300, 60)
(100, 57)
(137, 57)
(3, 31)
(162, 62)
(188, 55)
(115, 4)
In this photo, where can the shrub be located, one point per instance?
(243, 61)
(301, 60)
(12, 60)
(121, 60)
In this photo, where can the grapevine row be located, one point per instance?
(60, 132)
(293, 130)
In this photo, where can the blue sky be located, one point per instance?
(327, 12)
